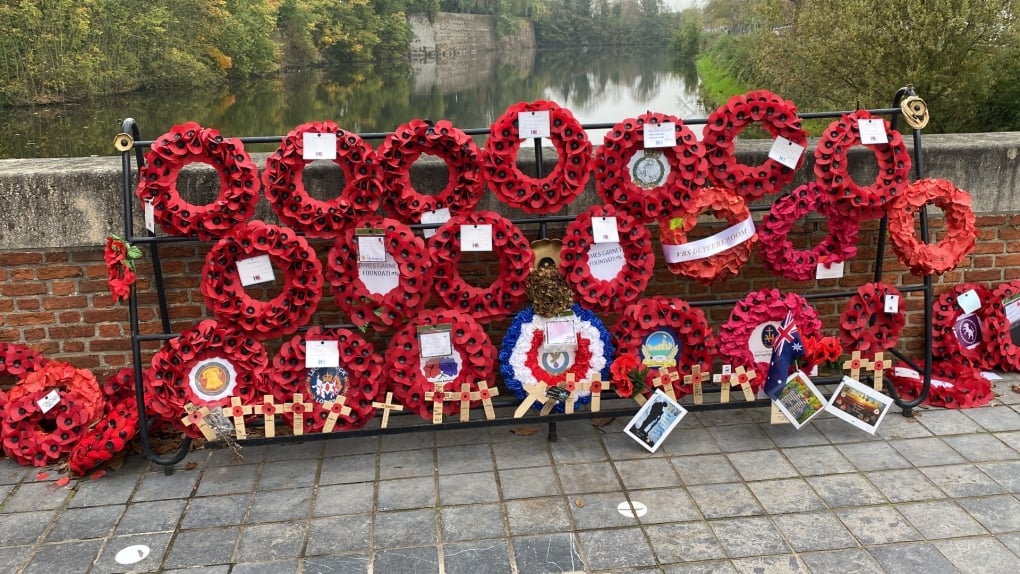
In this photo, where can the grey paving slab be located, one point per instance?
(962, 480)
(24, 527)
(781, 564)
(157, 544)
(285, 474)
(12, 472)
(595, 511)
(517, 454)
(538, 515)
(295, 451)
(200, 548)
(816, 460)
(904, 485)
(335, 499)
(465, 459)
(476, 557)
(666, 505)
(995, 419)
(1011, 540)
(812, 531)
(115, 487)
(724, 500)
(573, 449)
(470, 488)
(43, 495)
(407, 463)
(996, 513)
(546, 553)
(281, 505)
(868, 456)
(711, 567)
(347, 469)
(736, 438)
(61, 556)
(1012, 438)
(405, 528)
(705, 469)
(290, 566)
(647, 473)
(733, 536)
(462, 437)
(588, 477)
(209, 511)
(787, 436)
(473, 522)
(981, 447)
(940, 519)
(980, 555)
(839, 432)
(227, 480)
(841, 490)
(424, 559)
(684, 542)
(345, 564)
(407, 441)
(6, 489)
(786, 495)
(339, 535)
(267, 542)
(856, 560)
(528, 482)
(693, 441)
(724, 417)
(895, 425)
(84, 523)
(621, 446)
(947, 421)
(352, 446)
(159, 486)
(931, 451)
(616, 548)
(761, 465)
(911, 558)
(878, 525)
(406, 493)
(155, 516)
(1006, 473)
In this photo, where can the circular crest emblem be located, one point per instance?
(648, 169)
(660, 349)
(761, 339)
(327, 383)
(556, 362)
(213, 379)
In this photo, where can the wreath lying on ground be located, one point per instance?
(718, 256)
(999, 326)
(509, 288)
(832, 167)
(401, 148)
(115, 429)
(283, 314)
(632, 254)
(17, 360)
(412, 376)
(961, 337)
(865, 326)
(667, 178)
(358, 379)
(525, 359)
(777, 116)
(758, 315)
(774, 235)
(537, 195)
(953, 385)
(960, 227)
(190, 143)
(407, 260)
(666, 333)
(284, 184)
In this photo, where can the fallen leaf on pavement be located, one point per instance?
(525, 431)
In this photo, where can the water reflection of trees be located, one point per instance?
(581, 76)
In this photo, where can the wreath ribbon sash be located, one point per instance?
(709, 246)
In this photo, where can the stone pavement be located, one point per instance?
(727, 493)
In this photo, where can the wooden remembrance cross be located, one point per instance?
(196, 416)
(387, 406)
(484, 394)
(438, 396)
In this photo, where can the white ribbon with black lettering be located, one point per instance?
(709, 246)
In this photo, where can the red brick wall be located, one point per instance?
(58, 302)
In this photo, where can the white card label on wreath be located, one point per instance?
(379, 277)
(659, 135)
(371, 248)
(727, 369)
(318, 146)
(439, 216)
(321, 354)
(786, 152)
(761, 339)
(435, 343)
(560, 333)
(892, 303)
(150, 216)
(872, 131)
(476, 237)
(605, 261)
(969, 301)
(829, 271)
(709, 246)
(49, 401)
(905, 372)
(255, 270)
(604, 230)
(533, 124)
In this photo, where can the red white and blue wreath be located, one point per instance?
(526, 360)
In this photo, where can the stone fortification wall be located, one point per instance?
(453, 35)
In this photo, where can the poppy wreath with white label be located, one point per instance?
(999, 325)
(977, 332)
(777, 116)
(614, 181)
(284, 184)
(225, 296)
(414, 268)
(722, 204)
(953, 385)
(958, 239)
(607, 295)
(559, 187)
(865, 326)
(191, 143)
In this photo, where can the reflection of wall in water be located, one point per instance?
(451, 74)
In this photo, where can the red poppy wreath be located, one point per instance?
(509, 288)
(471, 359)
(1006, 297)
(649, 183)
(284, 185)
(666, 333)
(17, 360)
(302, 281)
(865, 326)
(953, 385)
(774, 235)
(718, 256)
(606, 276)
(357, 379)
(963, 337)
(537, 195)
(116, 428)
(960, 227)
(190, 143)
(204, 366)
(777, 116)
(832, 166)
(401, 148)
(745, 339)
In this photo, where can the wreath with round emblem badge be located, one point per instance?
(525, 358)
(537, 195)
(656, 182)
(285, 189)
(190, 143)
(865, 326)
(960, 227)
(961, 336)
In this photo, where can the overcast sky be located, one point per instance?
(678, 5)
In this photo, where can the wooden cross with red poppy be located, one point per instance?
(877, 365)
(196, 416)
(536, 394)
(237, 411)
(596, 386)
(335, 408)
(855, 364)
(387, 406)
(744, 378)
(724, 379)
(267, 408)
(663, 381)
(438, 396)
(298, 408)
(484, 394)
(695, 379)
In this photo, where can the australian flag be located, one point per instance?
(786, 347)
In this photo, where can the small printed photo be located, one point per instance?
(800, 400)
(859, 405)
(656, 419)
